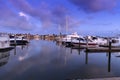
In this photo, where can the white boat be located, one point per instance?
(99, 40)
(83, 43)
(116, 42)
(18, 40)
(5, 43)
(70, 37)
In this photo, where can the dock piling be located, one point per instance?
(87, 43)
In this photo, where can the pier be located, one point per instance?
(113, 78)
(102, 49)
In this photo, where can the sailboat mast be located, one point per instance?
(66, 25)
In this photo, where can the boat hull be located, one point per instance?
(6, 49)
(18, 42)
(84, 45)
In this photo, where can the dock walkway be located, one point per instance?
(113, 78)
(103, 49)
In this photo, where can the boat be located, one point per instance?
(99, 40)
(5, 43)
(83, 43)
(67, 39)
(18, 40)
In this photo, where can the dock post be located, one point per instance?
(79, 46)
(109, 56)
(86, 58)
(110, 45)
(71, 42)
(15, 39)
(79, 43)
(71, 45)
(86, 43)
(22, 40)
(109, 61)
(15, 50)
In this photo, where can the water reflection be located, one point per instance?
(86, 62)
(19, 46)
(4, 57)
(109, 60)
(44, 60)
(86, 58)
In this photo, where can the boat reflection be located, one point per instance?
(117, 54)
(20, 47)
(4, 57)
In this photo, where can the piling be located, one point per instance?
(79, 43)
(110, 45)
(15, 39)
(109, 61)
(86, 44)
(86, 58)
(109, 56)
(71, 45)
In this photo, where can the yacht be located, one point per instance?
(5, 43)
(18, 40)
(98, 40)
(67, 39)
(84, 43)
(76, 40)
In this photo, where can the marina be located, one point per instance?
(59, 40)
(37, 60)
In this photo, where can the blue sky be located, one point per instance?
(51, 16)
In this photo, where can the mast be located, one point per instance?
(66, 25)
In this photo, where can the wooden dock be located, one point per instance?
(103, 49)
(113, 78)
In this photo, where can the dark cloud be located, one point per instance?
(95, 5)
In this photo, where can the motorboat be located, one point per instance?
(84, 43)
(18, 40)
(68, 38)
(99, 40)
(5, 43)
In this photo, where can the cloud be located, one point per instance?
(22, 5)
(44, 12)
(23, 15)
(11, 20)
(95, 5)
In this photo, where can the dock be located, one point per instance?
(112, 78)
(103, 49)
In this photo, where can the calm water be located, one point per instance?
(45, 60)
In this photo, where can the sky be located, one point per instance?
(55, 16)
